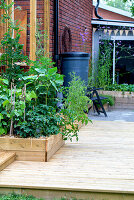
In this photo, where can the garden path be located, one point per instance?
(114, 115)
(99, 166)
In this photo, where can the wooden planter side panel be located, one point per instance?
(40, 150)
(21, 144)
(54, 143)
(25, 149)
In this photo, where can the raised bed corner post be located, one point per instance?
(56, 32)
(33, 5)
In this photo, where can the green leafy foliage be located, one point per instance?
(45, 81)
(75, 106)
(41, 40)
(12, 50)
(11, 109)
(41, 121)
(121, 87)
(103, 78)
(120, 4)
(110, 100)
(132, 5)
(14, 196)
(4, 106)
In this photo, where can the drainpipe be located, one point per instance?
(96, 10)
(56, 32)
(56, 46)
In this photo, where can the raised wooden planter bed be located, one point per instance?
(32, 149)
(122, 100)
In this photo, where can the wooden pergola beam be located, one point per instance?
(46, 25)
(33, 6)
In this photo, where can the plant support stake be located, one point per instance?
(114, 62)
(11, 104)
(11, 127)
(24, 101)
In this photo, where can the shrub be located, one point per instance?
(75, 106)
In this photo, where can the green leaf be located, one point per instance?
(28, 97)
(30, 77)
(8, 115)
(52, 71)
(59, 79)
(53, 84)
(42, 71)
(22, 104)
(1, 117)
(4, 123)
(6, 102)
(33, 95)
(5, 81)
(2, 131)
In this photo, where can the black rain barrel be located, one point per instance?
(77, 62)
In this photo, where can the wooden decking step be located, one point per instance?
(6, 158)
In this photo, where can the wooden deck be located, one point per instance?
(98, 167)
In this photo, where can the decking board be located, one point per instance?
(102, 162)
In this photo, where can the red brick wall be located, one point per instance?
(110, 15)
(76, 14)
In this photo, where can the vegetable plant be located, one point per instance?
(74, 108)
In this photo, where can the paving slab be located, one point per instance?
(114, 115)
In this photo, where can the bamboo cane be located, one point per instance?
(24, 101)
(11, 105)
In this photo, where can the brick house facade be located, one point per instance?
(76, 15)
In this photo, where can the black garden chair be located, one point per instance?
(92, 93)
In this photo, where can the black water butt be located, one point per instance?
(77, 62)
